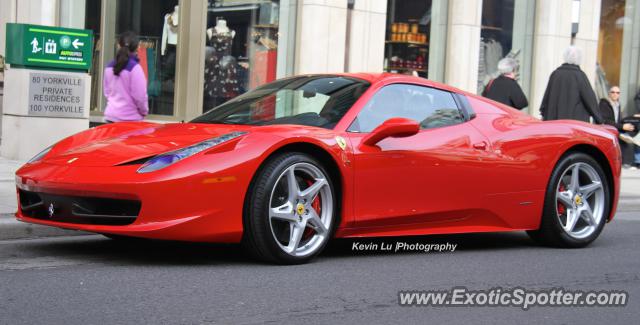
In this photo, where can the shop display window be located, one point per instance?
(506, 31)
(612, 19)
(241, 48)
(495, 38)
(157, 24)
(407, 37)
(92, 17)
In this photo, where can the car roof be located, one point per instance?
(395, 78)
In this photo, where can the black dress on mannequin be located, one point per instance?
(220, 72)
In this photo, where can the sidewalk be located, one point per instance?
(630, 191)
(10, 228)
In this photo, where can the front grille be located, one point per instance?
(78, 209)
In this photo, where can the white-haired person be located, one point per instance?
(569, 94)
(505, 88)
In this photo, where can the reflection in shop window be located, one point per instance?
(242, 46)
(610, 45)
(505, 32)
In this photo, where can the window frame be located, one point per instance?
(301, 80)
(462, 105)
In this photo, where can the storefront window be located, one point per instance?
(505, 32)
(407, 36)
(92, 16)
(156, 22)
(610, 44)
(241, 48)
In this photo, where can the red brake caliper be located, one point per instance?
(316, 206)
(561, 208)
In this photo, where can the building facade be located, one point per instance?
(197, 54)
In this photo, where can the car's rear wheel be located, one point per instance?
(577, 203)
(290, 211)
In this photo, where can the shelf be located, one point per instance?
(407, 43)
(265, 26)
(491, 28)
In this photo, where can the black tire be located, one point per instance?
(258, 238)
(551, 231)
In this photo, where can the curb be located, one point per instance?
(10, 228)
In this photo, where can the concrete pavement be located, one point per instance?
(10, 228)
(91, 279)
(94, 280)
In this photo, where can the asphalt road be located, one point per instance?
(94, 280)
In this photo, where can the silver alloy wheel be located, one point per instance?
(305, 210)
(580, 200)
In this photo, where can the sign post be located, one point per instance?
(47, 87)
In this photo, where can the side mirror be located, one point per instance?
(397, 127)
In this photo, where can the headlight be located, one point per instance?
(40, 155)
(169, 158)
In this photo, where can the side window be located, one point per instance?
(430, 107)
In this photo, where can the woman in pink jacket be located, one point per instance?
(125, 85)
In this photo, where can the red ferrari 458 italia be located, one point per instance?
(291, 164)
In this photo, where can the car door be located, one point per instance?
(434, 175)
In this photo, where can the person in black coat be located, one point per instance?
(611, 111)
(612, 115)
(505, 88)
(569, 94)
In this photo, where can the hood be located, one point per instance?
(116, 144)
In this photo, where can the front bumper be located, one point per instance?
(176, 205)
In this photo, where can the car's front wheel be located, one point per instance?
(577, 203)
(291, 210)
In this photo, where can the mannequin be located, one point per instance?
(220, 28)
(168, 45)
(220, 72)
(170, 29)
(264, 52)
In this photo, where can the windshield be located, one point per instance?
(309, 100)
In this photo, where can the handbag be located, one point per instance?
(488, 87)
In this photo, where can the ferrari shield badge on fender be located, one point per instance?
(342, 143)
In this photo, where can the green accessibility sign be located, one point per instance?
(49, 47)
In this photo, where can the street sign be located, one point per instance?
(49, 47)
(56, 95)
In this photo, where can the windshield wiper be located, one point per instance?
(214, 122)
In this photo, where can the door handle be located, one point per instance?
(480, 145)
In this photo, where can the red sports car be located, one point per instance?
(293, 163)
